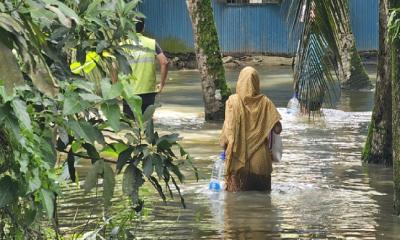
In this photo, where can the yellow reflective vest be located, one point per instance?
(142, 61)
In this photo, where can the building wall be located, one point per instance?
(247, 28)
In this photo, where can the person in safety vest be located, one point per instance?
(143, 65)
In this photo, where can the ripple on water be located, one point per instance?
(320, 189)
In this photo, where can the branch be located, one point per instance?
(87, 157)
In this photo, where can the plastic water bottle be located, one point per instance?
(217, 174)
(293, 105)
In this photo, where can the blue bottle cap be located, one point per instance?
(222, 155)
(214, 186)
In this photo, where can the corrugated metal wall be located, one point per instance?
(365, 23)
(247, 28)
(252, 29)
(168, 21)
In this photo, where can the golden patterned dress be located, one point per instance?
(249, 118)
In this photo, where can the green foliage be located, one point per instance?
(394, 25)
(100, 168)
(325, 50)
(113, 114)
(8, 195)
(27, 163)
(132, 181)
(45, 110)
(318, 49)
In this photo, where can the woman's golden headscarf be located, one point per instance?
(249, 118)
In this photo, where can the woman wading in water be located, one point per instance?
(249, 119)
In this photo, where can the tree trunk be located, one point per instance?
(351, 70)
(395, 64)
(396, 125)
(394, 46)
(215, 90)
(378, 148)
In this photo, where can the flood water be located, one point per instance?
(320, 189)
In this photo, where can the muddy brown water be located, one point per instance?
(320, 190)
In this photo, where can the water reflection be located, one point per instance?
(320, 189)
(250, 216)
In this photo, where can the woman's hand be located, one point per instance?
(277, 128)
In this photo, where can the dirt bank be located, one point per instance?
(188, 60)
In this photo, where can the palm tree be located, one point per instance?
(318, 37)
(327, 59)
(215, 90)
(378, 148)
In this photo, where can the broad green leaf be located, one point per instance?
(61, 17)
(29, 216)
(179, 192)
(43, 79)
(34, 181)
(103, 44)
(135, 104)
(8, 190)
(108, 184)
(10, 72)
(64, 9)
(113, 150)
(158, 187)
(149, 112)
(71, 166)
(166, 141)
(123, 157)
(92, 175)
(47, 147)
(84, 85)
(189, 159)
(4, 111)
(158, 165)
(83, 5)
(62, 133)
(113, 114)
(24, 163)
(10, 24)
(75, 146)
(41, 15)
(151, 137)
(110, 91)
(130, 6)
(90, 97)
(131, 182)
(21, 113)
(91, 151)
(47, 198)
(127, 87)
(86, 131)
(74, 104)
(93, 132)
(177, 172)
(11, 122)
(123, 64)
(148, 166)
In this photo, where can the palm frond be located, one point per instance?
(316, 74)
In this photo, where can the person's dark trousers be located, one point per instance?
(147, 100)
